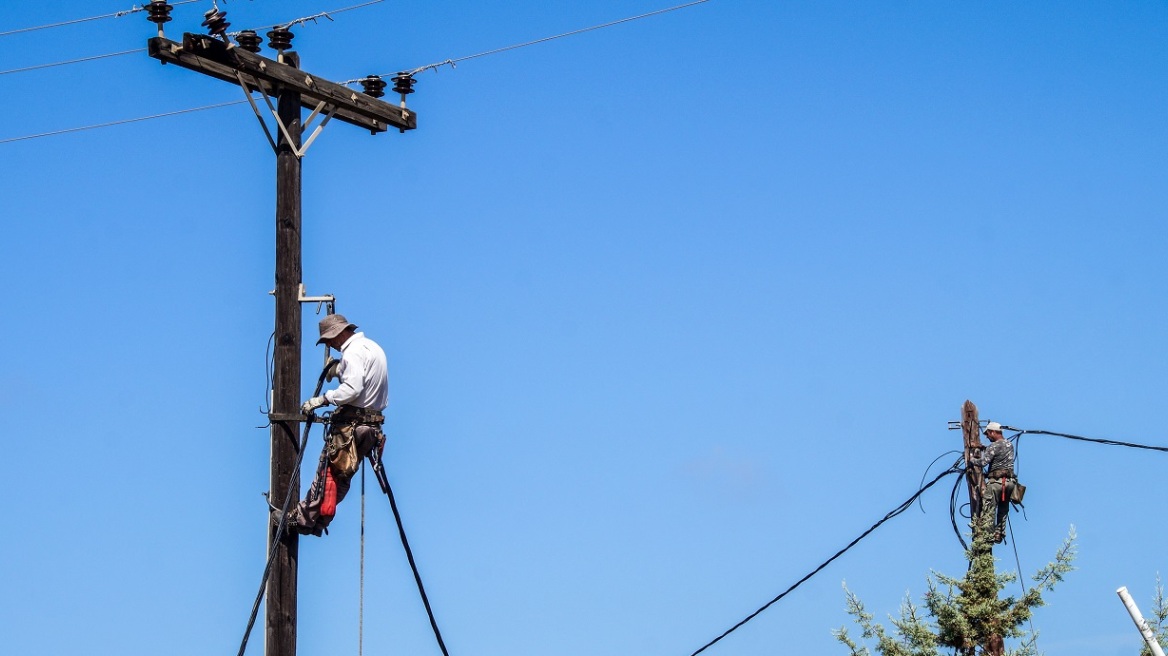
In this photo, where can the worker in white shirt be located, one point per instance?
(355, 428)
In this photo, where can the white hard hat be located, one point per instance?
(993, 426)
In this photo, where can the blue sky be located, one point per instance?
(674, 310)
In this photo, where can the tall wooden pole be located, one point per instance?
(970, 434)
(281, 593)
(237, 65)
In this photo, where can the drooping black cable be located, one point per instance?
(414, 567)
(926, 473)
(1095, 440)
(269, 375)
(954, 511)
(893, 513)
(255, 607)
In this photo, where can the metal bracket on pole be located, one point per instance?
(254, 108)
(316, 132)
(327, 299)
(956, 425)
(303, 297)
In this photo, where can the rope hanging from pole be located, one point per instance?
(361, 594)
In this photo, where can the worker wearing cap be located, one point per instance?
(355, 426)
(998, 460)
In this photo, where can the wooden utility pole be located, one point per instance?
(970, 434)
(239, 64)
(281, 592)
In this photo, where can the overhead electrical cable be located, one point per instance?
(117, 14)
(1131, 445)
(71, 61)
(299, 21)
(955, 509)
(277, 536)
(313, 18)
(122, 122)
(453, 62)
(893, 513)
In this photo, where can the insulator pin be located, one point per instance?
(374, 86)
(403, 83)
(215, 20)
(249, 40)
(158, 12)
(280, 39)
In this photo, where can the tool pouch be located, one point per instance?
(1017, 493)
(342, 451)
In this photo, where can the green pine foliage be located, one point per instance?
(967, 615)
(1158, 622)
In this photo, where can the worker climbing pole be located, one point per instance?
(989, 472)
(239, 63)
(354, 427)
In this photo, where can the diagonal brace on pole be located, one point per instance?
(300, 152)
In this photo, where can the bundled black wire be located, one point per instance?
(956, 468)
(1095, 440)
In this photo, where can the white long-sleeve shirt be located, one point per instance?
(364, 375)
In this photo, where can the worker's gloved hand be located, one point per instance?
(313, 403)
(330, 370)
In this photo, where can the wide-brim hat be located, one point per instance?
(333, 325)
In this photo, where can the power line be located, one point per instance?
(121, 122)
(453, 62)
(117, 14)
(313, 18)
(893, 513)
(299, 21)
(72, 61)
(1131, 445)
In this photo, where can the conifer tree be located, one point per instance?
(967, 614)
(1158, 622)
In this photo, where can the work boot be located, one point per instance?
(999, 537)
(290, 524)
(277, 516)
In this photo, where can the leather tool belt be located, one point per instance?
(352, 414)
